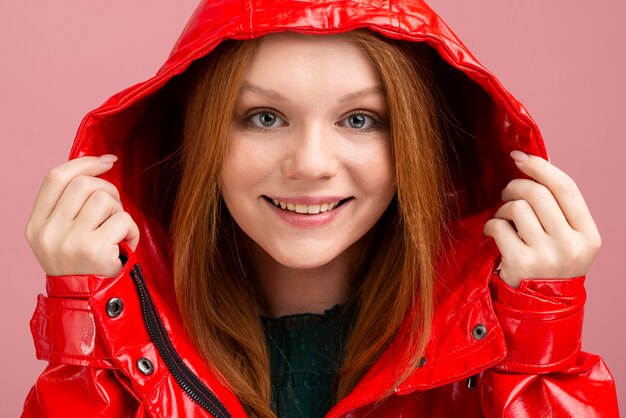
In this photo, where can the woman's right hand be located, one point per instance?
(78, 220)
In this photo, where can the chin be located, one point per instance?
(304, 259)
(310, 261)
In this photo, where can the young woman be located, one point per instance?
(324, 209)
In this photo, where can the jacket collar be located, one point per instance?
(465, 337)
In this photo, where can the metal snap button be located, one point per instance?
(479, 331)
(145, 366)
(115, 307)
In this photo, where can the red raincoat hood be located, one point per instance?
(133, 125)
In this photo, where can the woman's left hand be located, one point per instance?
(544, 230)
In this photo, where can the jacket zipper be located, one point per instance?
(186, 379)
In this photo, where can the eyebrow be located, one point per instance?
(273, 94)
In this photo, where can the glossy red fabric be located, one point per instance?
(494, 351)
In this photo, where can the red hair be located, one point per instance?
(393, 272)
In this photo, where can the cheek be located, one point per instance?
(244, 166)
(374, 169)
(236, 177)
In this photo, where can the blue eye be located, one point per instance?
(362, 121)
(267, 119)
(357, 121)
(263, 120)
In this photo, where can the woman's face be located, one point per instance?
(309, 168)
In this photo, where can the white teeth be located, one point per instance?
(305, 209)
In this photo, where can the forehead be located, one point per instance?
(285, 58)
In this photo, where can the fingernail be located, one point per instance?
(108, 158)
(519, 156)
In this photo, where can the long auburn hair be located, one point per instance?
(394, 272)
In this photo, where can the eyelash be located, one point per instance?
(376, 121)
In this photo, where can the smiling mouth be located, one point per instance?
(307, 209)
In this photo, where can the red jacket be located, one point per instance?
(116, 347)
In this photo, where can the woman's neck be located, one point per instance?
(289, 291)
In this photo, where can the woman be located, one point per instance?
(326, 211)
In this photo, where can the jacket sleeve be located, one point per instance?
(545, 373)
(80, 379)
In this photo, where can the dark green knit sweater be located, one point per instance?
(306, 351)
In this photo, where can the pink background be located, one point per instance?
(565, 60)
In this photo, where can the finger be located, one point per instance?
(564, 190)
(543, 203)
(528, 227)
(77, 193)
(57, 179)
(120, 227)
(98, 208)
(505, 236)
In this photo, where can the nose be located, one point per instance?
(313, 153)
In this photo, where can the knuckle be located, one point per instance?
(511, 185)
(515, 183)
(100, 196)
(81, 182)
(29, 231)
(573, 251)
(54, 176)
(593, 244)
(568, 187)
(519, 207)
(118, 204)
(540, 193)
(501, 224)
(104, 198)
(596, 242)
(126, 217)
(114, 190)
(487, 227)
(44, 239)
(492, 224)
(108, 186)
